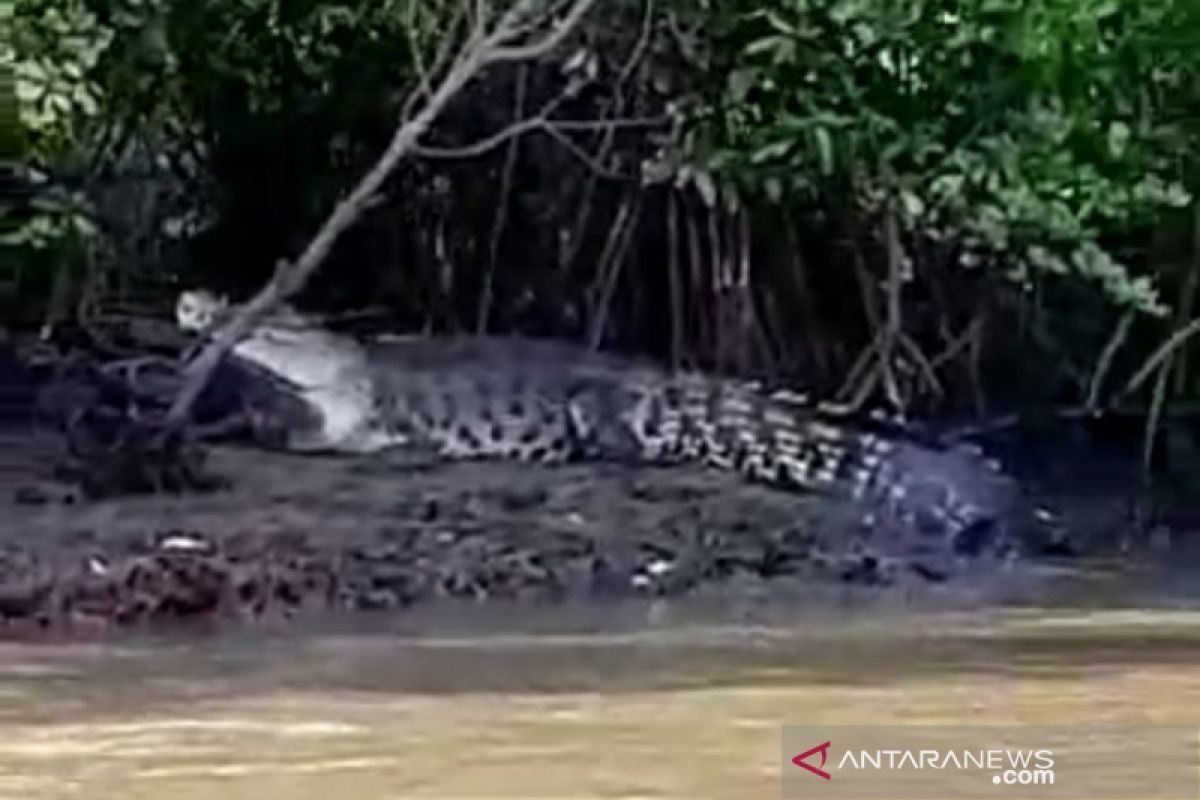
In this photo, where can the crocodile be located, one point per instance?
(467, 397)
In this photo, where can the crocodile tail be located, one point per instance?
(785, 440)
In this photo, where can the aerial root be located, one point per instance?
(109, 453)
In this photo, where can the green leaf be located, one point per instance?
(774, 189)
(741, 81)
(913, 205)
(771, 151)
(768, 44)
(824, 149)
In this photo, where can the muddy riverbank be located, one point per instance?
(313, 536)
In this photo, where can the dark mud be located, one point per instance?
(310, 535)
(318, 536)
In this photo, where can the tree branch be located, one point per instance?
(479, 52)
(597, 161)
(538, 123)
(1104, 364)
(425, 73)
(595, 166)
(1162, 353)
(608, 267)
(513, 22)
(484, 310)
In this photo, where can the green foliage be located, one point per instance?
(290, 103)
(276, 52)
(1037, 132)
(54, 49)
(51, 97)
(222, 90)
(1042, 139)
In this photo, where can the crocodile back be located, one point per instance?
(489, 397)
(479, 397)
(545, 401)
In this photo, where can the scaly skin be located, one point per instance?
(466, 398)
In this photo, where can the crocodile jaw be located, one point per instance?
(330, 373)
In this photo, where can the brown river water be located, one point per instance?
(644, 702)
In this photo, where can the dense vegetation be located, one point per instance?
(940, 202)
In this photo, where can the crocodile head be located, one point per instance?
(197, 309)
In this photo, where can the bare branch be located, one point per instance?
(859, 369)
(290, 278)
(674, 278)
(893, 321)
(956, 345)
(608, 267)
(687, 50)
(642, 45)
(1187, 299)
(1165, 350)
(537, 123)
(483, 312)
(441, 60)
(528, 52)
(480, 13)
(1157, 401)
(1119, 335)
(923, 362)
(597, 160)
(584, 156)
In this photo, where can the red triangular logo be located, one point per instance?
(823, 749)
